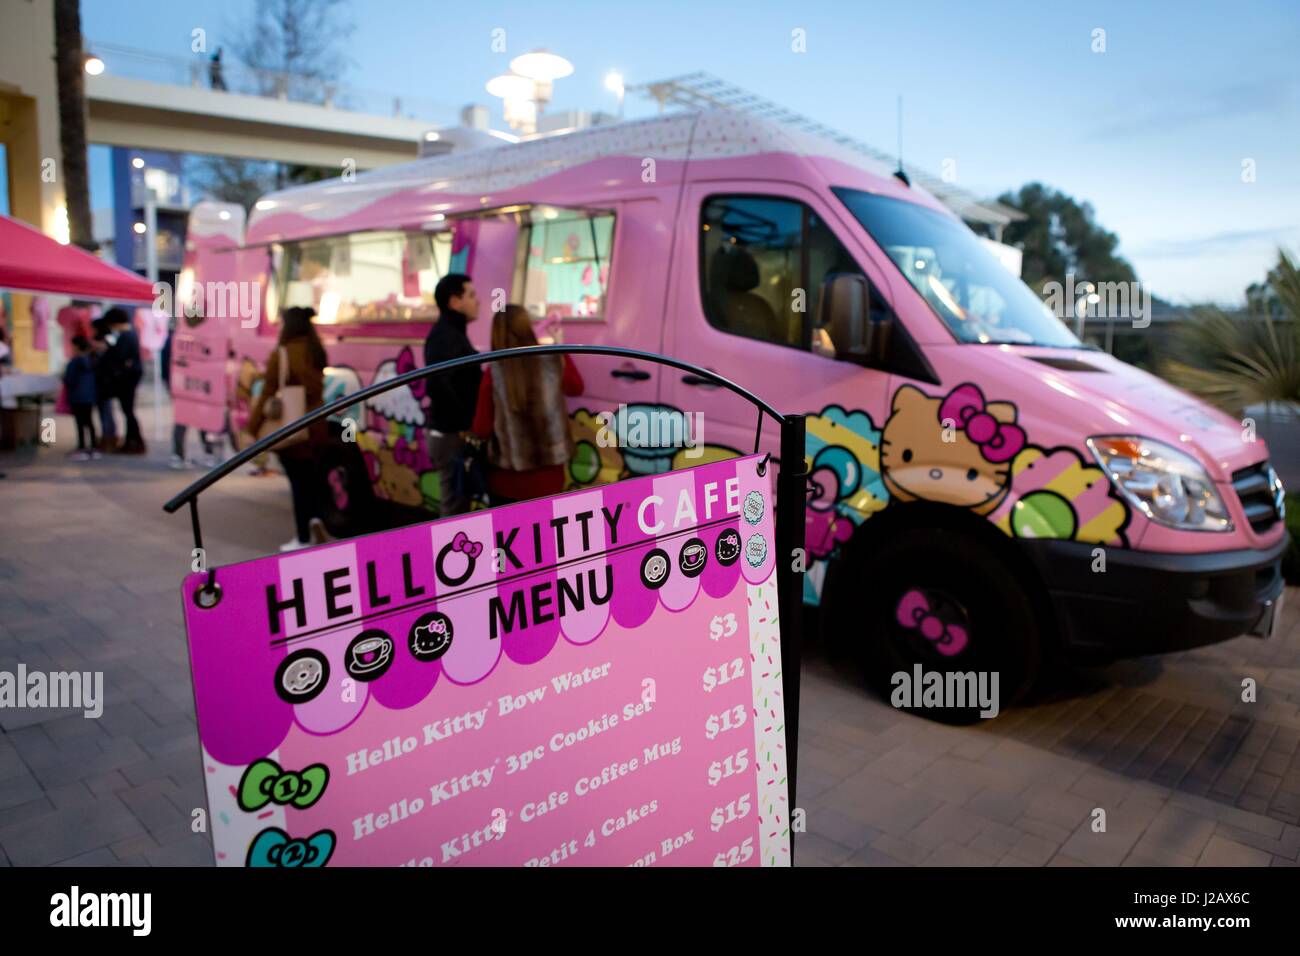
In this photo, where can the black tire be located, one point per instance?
(962, 588)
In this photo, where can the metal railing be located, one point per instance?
(190, 494)
(197, 70)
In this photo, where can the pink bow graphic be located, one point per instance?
(998, 441)
(463, 543)
(914, 614)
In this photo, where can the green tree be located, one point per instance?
(1061, 237)
(1236, 361)
(231, 179)
(294, 49)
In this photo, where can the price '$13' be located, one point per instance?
(727, 720)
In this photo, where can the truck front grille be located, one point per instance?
(1260, 492)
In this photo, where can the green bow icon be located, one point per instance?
(265, 782)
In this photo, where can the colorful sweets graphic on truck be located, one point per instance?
(957, 448)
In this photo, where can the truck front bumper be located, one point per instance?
(1148, 603)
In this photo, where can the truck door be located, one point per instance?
(573, 274)
(598, 277)
(208, 300)
(751, 258)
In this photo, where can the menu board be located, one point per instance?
(591, 679)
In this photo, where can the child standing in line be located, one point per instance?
(79, 377)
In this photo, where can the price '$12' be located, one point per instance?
(723, 674)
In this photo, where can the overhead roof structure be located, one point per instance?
(703, 91)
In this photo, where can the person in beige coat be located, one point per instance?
(306, 363)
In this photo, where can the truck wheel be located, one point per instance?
(942, 601)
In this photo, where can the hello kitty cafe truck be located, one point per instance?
(985, 491)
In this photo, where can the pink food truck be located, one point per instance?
(985, 491)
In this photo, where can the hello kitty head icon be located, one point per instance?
(430, 636)
(957, 449)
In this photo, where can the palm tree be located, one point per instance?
(69, 67)
(1233, 363)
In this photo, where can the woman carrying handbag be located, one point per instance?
(294, 384)
(521, 414)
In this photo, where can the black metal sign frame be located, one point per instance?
(790, 495)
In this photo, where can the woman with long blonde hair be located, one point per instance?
(522, 415)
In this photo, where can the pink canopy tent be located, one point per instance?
(31, 261)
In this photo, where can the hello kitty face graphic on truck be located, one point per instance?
(957, 449)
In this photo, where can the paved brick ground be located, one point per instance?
(90, 568)
(1186, 773)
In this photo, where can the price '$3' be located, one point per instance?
(722, 625)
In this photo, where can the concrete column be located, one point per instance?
(29, 129)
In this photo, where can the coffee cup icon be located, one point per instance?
(693, 556)
(369, 655)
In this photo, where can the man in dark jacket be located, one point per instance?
(106, 376)
(453, 395)
(124, 347)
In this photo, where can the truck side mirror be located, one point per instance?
(844, 312)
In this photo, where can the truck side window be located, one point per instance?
(565, 257)
(762, 263)
(750, 265)
(382, 276)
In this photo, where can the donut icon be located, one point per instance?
(301, 676)
(654, 568)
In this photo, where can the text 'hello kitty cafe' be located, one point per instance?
(520, 552)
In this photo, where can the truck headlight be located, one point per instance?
(1165, 484)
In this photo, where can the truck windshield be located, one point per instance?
(975, 295)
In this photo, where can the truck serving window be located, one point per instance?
(365, 276)
(762, 263)
(564, 254)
